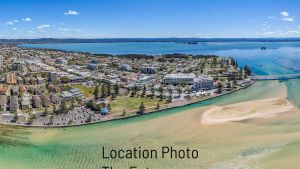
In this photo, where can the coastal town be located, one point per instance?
(43, 87)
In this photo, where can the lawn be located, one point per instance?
(86, 91)
(131, 103)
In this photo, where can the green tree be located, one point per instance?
(157, 106)
(117, 89)
(63, 107)
(96, 92)
(103, 93)
(161, 92)
(144, 91)
(141, 108)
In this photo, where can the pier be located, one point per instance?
(276, 77)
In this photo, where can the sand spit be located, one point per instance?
(246, 110)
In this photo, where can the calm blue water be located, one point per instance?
(279, 58)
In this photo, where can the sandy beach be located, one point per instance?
(246, 110)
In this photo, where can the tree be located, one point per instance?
(247, 70)
(117, 89)
(141, 108)
(65, 79)
(108, 88)
(109, 107)
(96, 92)
(45, 112)
(72, 103)
(219, 86)
(124, 112)
(179, 90)
(157, 106)
(144, 91)
(161, 92)
(103, 94)
(63, 107)
(152, 92)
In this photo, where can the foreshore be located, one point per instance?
(130, 116)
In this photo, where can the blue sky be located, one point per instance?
(149, 18)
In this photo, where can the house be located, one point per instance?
(37, 103)
(15, 90)
(40, 80)
(22, 89)
(25, 103)
(3, 102)
(45, 100)
(13, 103)
(55, 99)
(4, 90)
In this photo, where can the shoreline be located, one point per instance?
(126, 117)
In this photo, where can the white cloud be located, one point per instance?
(27, 19)
(43, 26)
(16, 21)
(284, 13)
(288, 19)
(30, 32)
(10, 23)
(71, 12)
(14, 29)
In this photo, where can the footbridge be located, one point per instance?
(276, 77)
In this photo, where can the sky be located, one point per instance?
(149, 18)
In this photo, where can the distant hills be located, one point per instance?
(178, 40)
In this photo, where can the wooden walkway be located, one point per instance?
(277, 77)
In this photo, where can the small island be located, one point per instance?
(53, 88)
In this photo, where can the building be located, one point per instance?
(37, 103)
(203, 83)
(175, 79)
(148, 70)
(66, 95)
(143, 80)
(25, 103)
(45, 100)
(125, 67)
(1, 61)
(17, 66)
(4, 90)
(55, 99)
(3, 103)
(15, 91)
(61, 61)
(11, 78)
(13, 103)
(40, 80)
(53, 76)
(92, 66)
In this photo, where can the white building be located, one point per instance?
(143, 80)
(175, 79)
(203, 83)
(1, 61)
